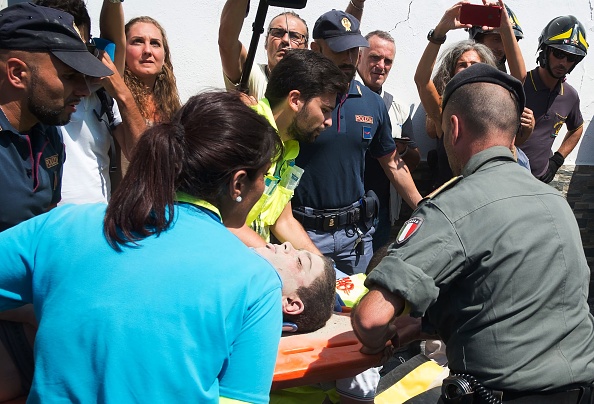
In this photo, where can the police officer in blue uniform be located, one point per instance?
(330, 200)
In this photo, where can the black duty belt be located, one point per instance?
(462, 388)
(328, 219)
(570, 396)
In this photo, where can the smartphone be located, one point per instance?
(287, 3)
(480, 15)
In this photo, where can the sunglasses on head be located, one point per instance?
(295, 37)
(559, 54)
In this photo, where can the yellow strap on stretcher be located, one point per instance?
(417, 381)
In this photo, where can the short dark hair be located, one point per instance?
(318, 301)
(76, 8)
(309, 72)
(484, 109)
(212, 137)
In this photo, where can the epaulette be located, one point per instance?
(445, 186)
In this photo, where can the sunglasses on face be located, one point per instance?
(559, 54)
(295, 37)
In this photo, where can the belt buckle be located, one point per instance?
(330, 222)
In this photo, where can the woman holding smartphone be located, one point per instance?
(460, 56)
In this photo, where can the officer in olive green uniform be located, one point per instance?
(493, 260)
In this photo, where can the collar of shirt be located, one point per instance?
(539, 85)
(381, 90)
(201, 203)
(263, 108)
(481, 158)
(355, 89)
(6, 125)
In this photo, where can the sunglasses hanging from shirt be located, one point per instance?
(258, 29)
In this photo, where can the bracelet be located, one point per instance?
(116, 1)
(435, 40)
(404, 152)
(356, 8)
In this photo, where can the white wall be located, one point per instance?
(192, 29)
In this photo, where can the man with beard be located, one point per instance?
(286, 31)
(45, 65)
(562, 45)
(300, 97)
(330, 200)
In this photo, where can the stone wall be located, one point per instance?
(577, 184)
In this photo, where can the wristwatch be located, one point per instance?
(116, 1)
(430, 37)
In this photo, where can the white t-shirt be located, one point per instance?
(257, 82)
(87, 141)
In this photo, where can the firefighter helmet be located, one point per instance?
(565, 33)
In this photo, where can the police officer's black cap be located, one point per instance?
(484, 73)
(340, 30)
(33, 28)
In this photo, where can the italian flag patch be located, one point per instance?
(408, 229)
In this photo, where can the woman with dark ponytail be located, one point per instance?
(154, 299)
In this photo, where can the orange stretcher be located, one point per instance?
(327, 354)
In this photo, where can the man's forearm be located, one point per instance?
(570, 141)
(231, 50)
(372, 318)
(411, 156)
(399, 175)
(248, 236)
(133, 124)
(287, 228)
(355, 8)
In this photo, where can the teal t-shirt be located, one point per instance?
(187, 316)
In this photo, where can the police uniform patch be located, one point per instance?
(409, 228)
(367, 133)
(51, 161)
(364, 119)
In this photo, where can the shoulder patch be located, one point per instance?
(409, 228)
(445, 186)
